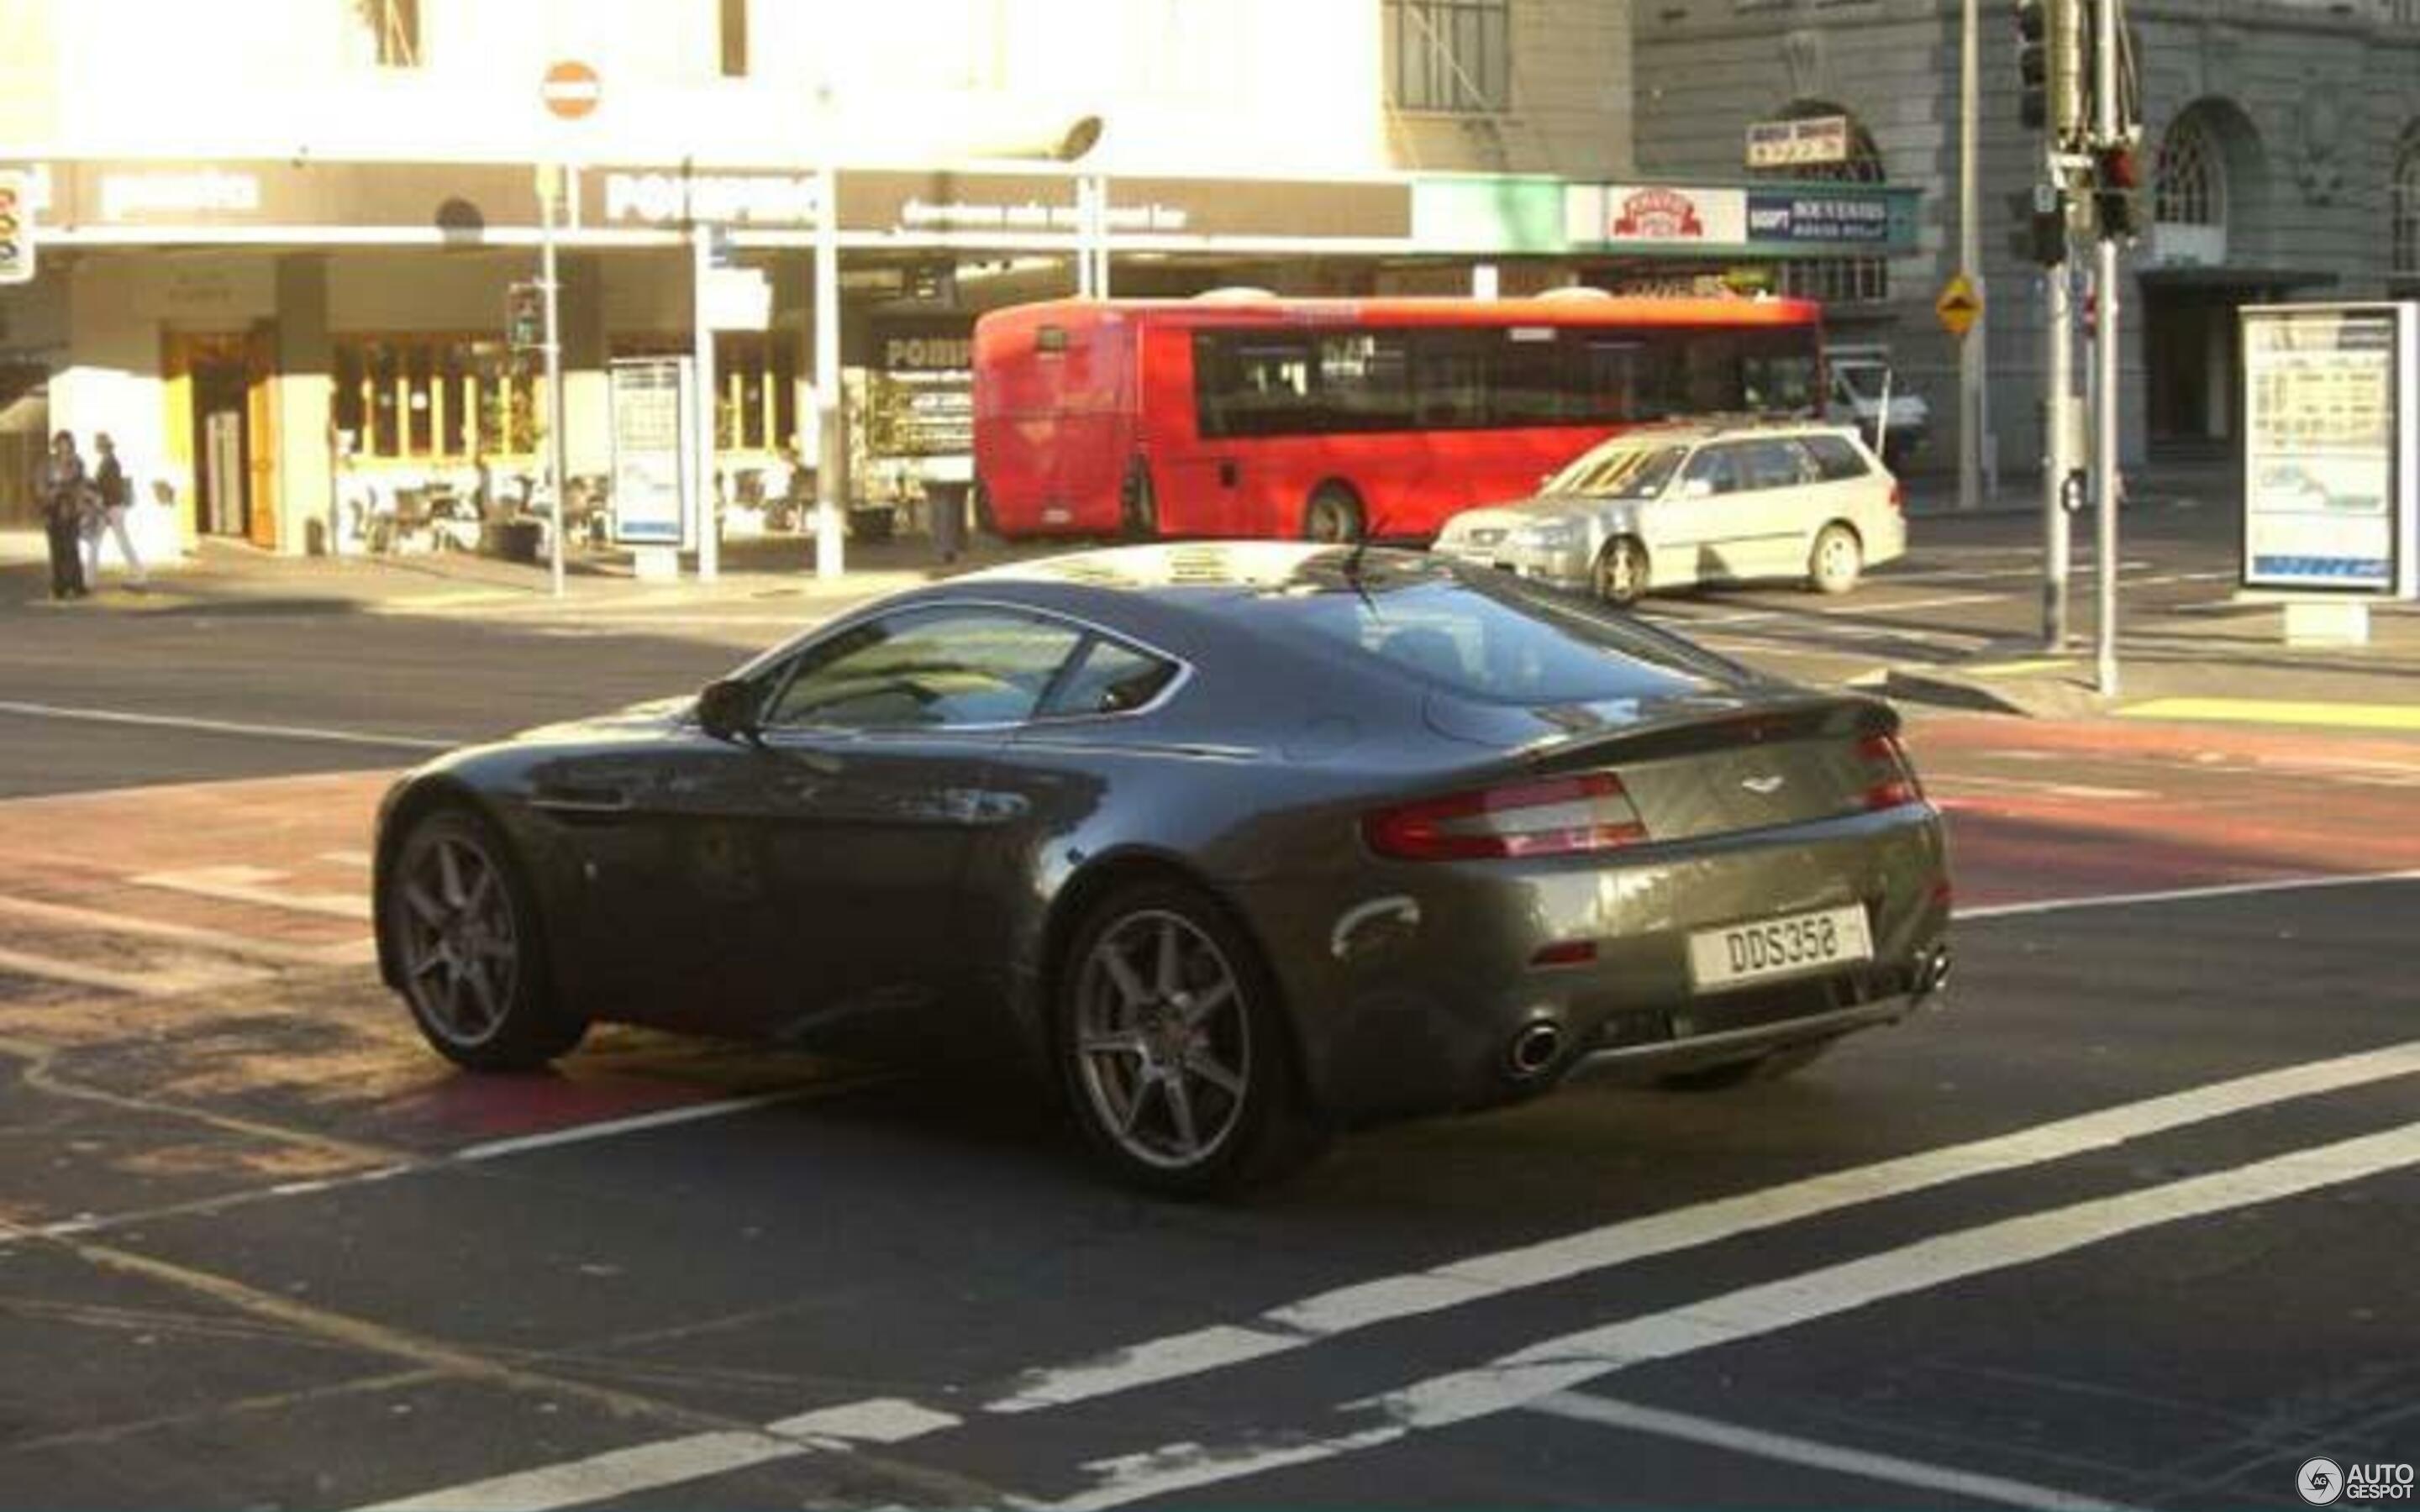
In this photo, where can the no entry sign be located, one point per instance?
(570, 89)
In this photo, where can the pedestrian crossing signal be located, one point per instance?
(525, 316)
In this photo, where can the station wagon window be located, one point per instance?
(1774, 464)
(1716, 466)
(1835, 458)
(1112, 678)
(933, 668)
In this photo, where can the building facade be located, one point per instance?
(2281, 155)
(277, 244)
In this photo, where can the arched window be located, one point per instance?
(1835, 280)
(2189, 186)
(2403, 204)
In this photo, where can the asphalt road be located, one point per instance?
(2127, 1222)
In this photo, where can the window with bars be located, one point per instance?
(395, 31)
(2189, 185)
(449, 399)
(2403, 205)
(1449, 55)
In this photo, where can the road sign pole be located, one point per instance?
(709, 522)
(557, 473)
(832, 447)
(1970, 345)
(2058, 461)
(2104, 422)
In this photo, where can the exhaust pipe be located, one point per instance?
(1534, 1049)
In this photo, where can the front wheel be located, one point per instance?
(1836, 561)
(463, 933)
(1621, 573)
(980, 497)
(1173, 1049)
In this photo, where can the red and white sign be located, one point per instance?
(16, 227)
(571, 89)
(1655, 213)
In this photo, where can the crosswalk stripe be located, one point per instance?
(152, 983)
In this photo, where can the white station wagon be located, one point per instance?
(1666, 506)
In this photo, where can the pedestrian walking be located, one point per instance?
(65, 492)
(109, 483)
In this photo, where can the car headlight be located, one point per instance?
(1547, 536)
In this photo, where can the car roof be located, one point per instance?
(1691, 432)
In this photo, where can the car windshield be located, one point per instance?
(1498, 642)
(1622, 473)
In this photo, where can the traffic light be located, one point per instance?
(525, 316)
(2117, 205)
(2050, 68)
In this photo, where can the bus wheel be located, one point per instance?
(1621, 571)
(981, 498)
(1138, 506)
(1332, 515)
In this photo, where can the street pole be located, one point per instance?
(709, 525)
(832, 448)
(555, 448)
(2059, 403)
(2105, 357)
(1970, 260)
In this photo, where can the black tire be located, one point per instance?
(981, 498)
(1770, 1067)
(1333, 514)
(1619, 574)
(497, 1009)
(1137, 505)
(1836, 561)
(1113, 1049)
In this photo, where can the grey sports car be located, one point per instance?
(1232, 844)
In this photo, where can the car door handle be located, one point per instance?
(1226, 474)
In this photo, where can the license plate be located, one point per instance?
(1740, 955)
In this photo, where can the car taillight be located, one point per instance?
(1559, 816)
(1890, 781)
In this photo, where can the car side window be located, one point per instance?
(933, 669)
(1776, 463)
(1835, 458)
(1716, 466)
(1112, 678)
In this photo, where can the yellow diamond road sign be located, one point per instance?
(1958, 306)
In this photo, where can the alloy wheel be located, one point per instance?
(1163, 1039)
(460, 942)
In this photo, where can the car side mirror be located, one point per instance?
(727, 709)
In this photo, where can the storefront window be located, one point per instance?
(756, 384)
(436, 398)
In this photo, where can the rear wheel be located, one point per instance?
(1173, 1051)
(1836, 561)
(463, 932)
(1620, 572)
(1333, 514)
(1770, 1066)
(981, 499)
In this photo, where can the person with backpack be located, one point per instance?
(109, 483)
(64, 489)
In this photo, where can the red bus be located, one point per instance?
(1248, 415)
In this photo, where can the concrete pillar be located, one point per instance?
(301, 390)
(588, 434)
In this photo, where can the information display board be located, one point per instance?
(2329, 449)
(653, 485)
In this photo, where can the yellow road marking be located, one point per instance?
(2263, 711)
(2018, 669)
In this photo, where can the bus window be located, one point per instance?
(1365, 381)
(1248, 384)
(1449, 383)
(1528, 382)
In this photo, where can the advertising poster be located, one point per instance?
(2321, 486)
(650, 451)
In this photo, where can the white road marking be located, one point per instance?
(248, 885)
(600, 1477)
(2221, 890)
(227, 727)
(2026, 784)
(1733, 1438)
(877, 1420)
(1326, 1315)
(1302, 1323)
(345, 953)
(1559, 1365)
(362, 859)
(155, 983)
(609, 1128)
